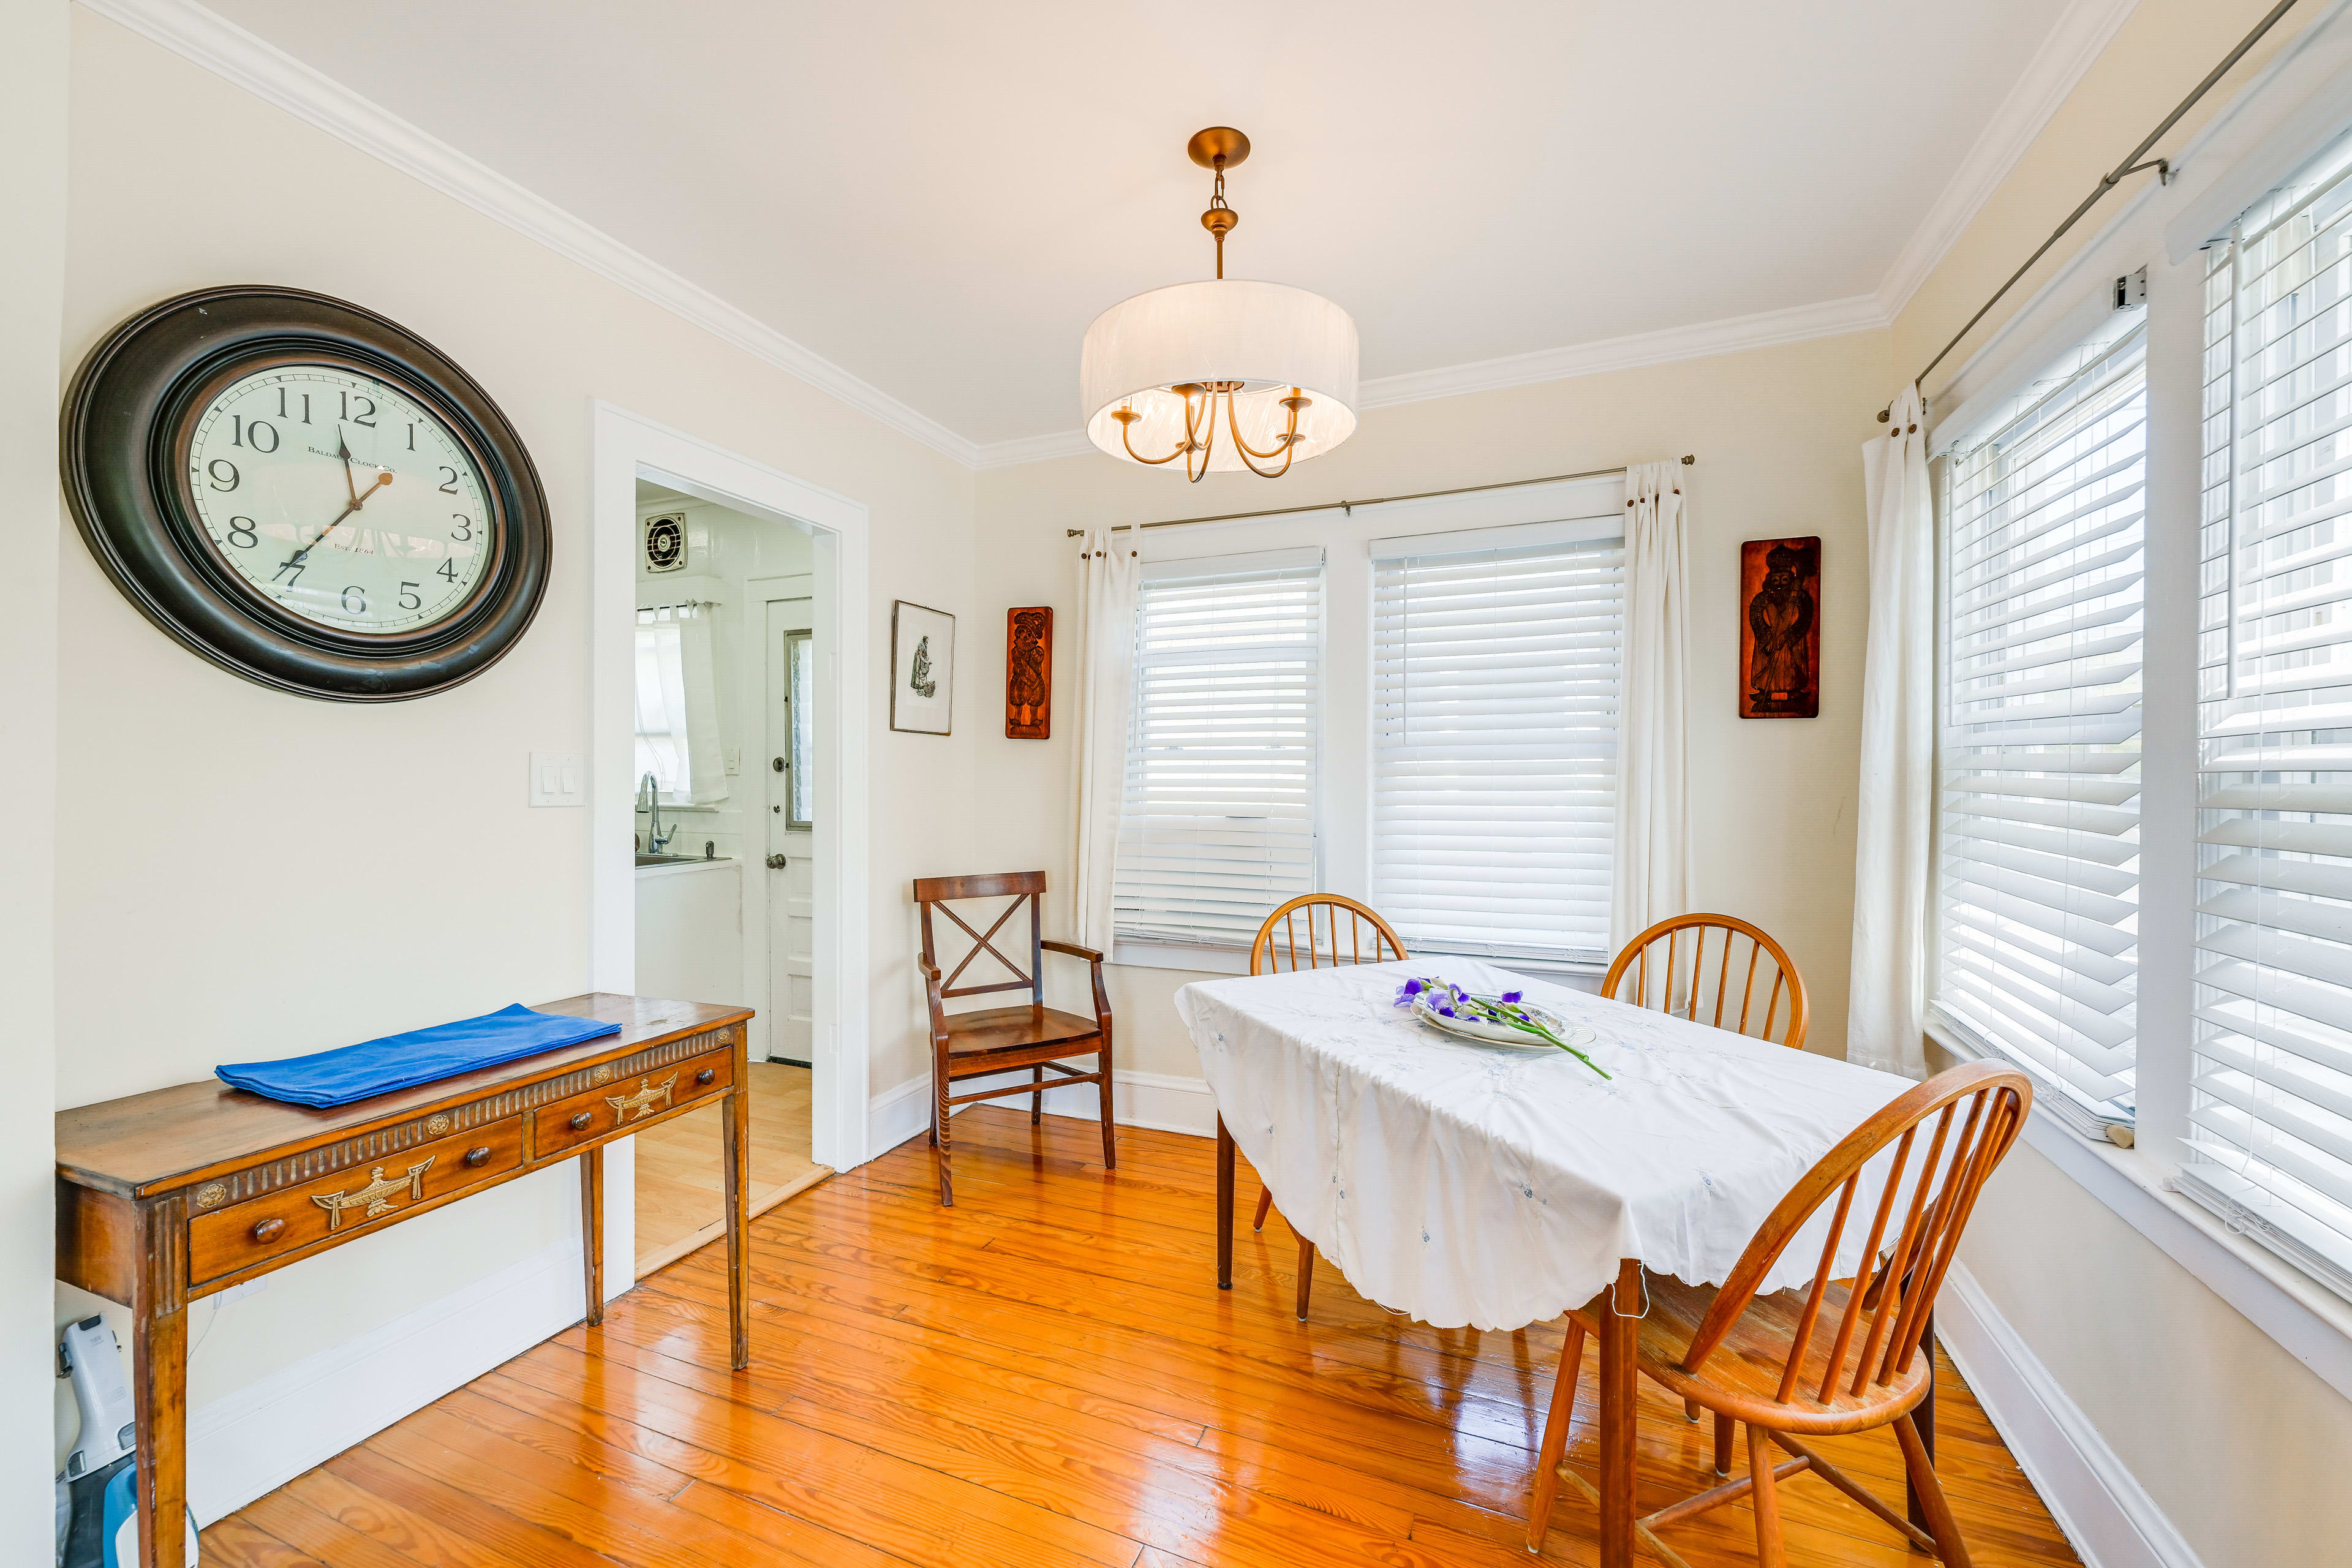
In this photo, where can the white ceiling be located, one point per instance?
(938, 197)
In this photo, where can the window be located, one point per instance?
(2039, 757)
(1219, 821)
(2270, 1107)
(678, 706)
(1495, 686)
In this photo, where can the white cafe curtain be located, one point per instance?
(677, 707)
(1888, 996)
(1107, 574)
(1653, 842)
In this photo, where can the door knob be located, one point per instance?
(777, 763)
(775, 862)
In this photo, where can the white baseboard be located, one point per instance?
(2106, 1515)
(1158, 1100)
(261, 1436)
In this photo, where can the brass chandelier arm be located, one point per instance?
(1287, 446)
(1200, 435)
(1126, 426)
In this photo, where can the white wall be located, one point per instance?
(32, 282)
(256, 875)
(1778, 434)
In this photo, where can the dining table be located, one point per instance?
(1492, 1186)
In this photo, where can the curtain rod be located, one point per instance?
(1350, 506)
(2131, 164)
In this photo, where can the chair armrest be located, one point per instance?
(926, 969)
(1094, 961)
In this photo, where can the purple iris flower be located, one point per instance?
(1407, 991)
(1509, 996)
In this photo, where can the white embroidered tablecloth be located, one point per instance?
(1476, 1185)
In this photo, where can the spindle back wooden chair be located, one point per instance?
(999, 1040)
(1708, 982)
(1275, 950)
(1837, 1356)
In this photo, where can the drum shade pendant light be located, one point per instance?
(1224, 374)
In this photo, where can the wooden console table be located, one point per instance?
(167, 1196)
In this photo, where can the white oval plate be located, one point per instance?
(1499, 1035)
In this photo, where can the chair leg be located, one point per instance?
(1037, 1096)
(1722, 1444)
(1555, 1437)
(1111, 1144)
(1922, 1471)
(1690, 1410)
(943, 1155)
(1264, 1204)
(1769, 1553)
(1305, 1274)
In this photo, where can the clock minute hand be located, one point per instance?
(343, 450)
(358, 501)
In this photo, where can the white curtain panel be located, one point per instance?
(700, 675)
(1653, 841)
(1107, 574)
(1887, 995)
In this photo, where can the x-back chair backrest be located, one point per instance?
(1973, 1113)
(1305, 934)
(1022, 886)
(1678, 966)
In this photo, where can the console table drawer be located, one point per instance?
(622, 1104)
(336, 1205)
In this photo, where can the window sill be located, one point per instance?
(2304, 1318)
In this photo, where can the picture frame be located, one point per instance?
(1029, 673)
(922, 668)
(1780, 628)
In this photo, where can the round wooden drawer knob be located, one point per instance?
(579, 1120)
(705, 1075)
(268, 1229)
(477, 1156)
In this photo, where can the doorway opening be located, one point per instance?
(729, 808)
(724, 838)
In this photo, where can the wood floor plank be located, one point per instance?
(1044, 1376)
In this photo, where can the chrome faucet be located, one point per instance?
(649, 801)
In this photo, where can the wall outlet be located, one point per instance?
(559, 778)
(734, 760)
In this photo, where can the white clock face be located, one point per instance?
(340, 498)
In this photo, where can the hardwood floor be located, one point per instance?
(679, 1186)
(1045, 1375)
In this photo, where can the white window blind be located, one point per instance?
(1218, 825)
(1495, 746)
(2270, 1107)
(2039, 759)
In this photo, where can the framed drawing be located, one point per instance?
(1780, 628)
(922, 668)
(1029, 673)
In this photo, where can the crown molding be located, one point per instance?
(230, 52)
(1701, 339)
(1034, 449)
(2080, 34)
(241, 57)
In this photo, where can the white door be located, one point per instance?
(790, 870)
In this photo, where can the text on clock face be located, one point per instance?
(340, 500)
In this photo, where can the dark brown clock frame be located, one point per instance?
(126, 419)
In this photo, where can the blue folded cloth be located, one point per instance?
(420, 1055)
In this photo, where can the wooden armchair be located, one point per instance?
(1001, 1039)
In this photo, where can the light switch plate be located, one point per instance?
(559, 778)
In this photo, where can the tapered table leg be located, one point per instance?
(592, 1231)
(159, 1366)
(1619, 1334)
(1225, 1206)
(734, 1154)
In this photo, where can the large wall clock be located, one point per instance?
(305, 494)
